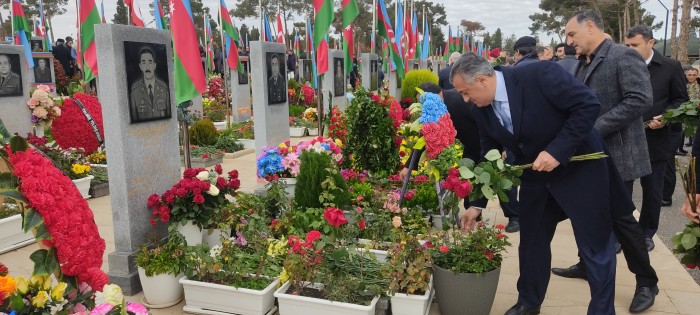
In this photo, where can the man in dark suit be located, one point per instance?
(668, 85)
(569, 61)
(150, 96)
(541, 113)
(42, 73)
(444, 74)
(620, 80)
(10, 82)
(276, 84)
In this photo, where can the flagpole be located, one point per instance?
(261, 20)
(12, 22)
(374, 27)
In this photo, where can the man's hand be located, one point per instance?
(656, 123)
(467, 219)
(545, 162)
(689, 212)
(403, 173)
(504, 155)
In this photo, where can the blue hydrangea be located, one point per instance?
(269, 163)
(326, 146)
(433, 108)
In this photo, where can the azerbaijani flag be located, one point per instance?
(280, 29)
(324, 18)
(296, 45)
(268, 32)
(136, 19)
(102, 12)
(426, 40)
(42, 21)
(448, 43)
(385, 30)
(415, 45)
(22, 31)
(89, 17)
(159, 16)
(350, 11)
(189, 75)
(310, 51)
(231, 32)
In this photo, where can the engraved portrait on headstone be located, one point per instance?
(10, 77)
(374, 75)
(414, 65)
(147, 79)
(243, 73)
(339, 78)
(42, 70)
(276, 82)
(37, 45)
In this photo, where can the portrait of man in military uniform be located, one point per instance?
(10, 81)
(374, 75)
(37, 45)
(339, 78)
(42, 70)
(147, 78)
(243, 74)
(276, 82)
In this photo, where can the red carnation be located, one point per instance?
(234, 184)
(335, 216)
(438, 136)
(444, 249)
(489, 255)
(95, 278)
(454, 172)
(219, 170)
(409, 195)
(190, 173)
(220, 183)
(375, 98)
(153, 200)
(198, 199)
(3, 271)
(500, 226)
(361, 223)
(312, 236)
(500, 235)
(72, 129)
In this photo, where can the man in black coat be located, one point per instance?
(668, 85)
(525, 52)
(62, 53)
(444, 74)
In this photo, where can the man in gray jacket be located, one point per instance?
(619, 78)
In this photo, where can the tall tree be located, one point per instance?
(509, 42)
(686, 7)
(255, 34)
(487, 40)
(122, 14)
(674, 31)
(473, 28)
(244, 32)
(497, 39)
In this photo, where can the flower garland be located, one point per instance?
(337, 129)
(42, 106)
(309, 94)
(72, 129)
(435, 124)
(322, 145)
(66, 214)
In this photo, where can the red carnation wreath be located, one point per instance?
(72, 129)
(66, 215)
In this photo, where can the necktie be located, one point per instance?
(505, 117)
(2, 81)
(150, 92)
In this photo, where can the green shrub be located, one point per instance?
(216, 111)
(228, 142)
(296, 111)
(415, 78)
(203, 133)
(316, 172)
(293, 84)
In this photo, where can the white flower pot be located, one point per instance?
(381, 255)
(301, 305)
(191, 232)
(437, 221)
(220, 125)
(410, 304)
(213, 236)
(39, 129)
(224, 298)
(161, 291)
(11, 234)
(83, 185)
(291, 185)
(247, 143)
(313, 131)
(296, 132)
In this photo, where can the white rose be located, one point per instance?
(203, 175)
(213, 190)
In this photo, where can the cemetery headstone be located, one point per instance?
(335, 81)
(240, 88)
(270, 103)
(370, 74)
(43, 71)
(14, 90)
(394, 84)
(142, 136)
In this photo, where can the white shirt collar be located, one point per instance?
(648, 61)
(501, 92)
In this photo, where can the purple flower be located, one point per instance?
(240, 239)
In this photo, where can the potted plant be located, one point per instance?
(411, 280)
(160, 267)
(228, 142)
(205, 156)
(240, 275)
(216, 112)
(466, 267)
(296, 127)
(280, 163)
(245, 133)
(98, 158)
(11, 234)
(79, 171)
(99, 186)
(193, 201)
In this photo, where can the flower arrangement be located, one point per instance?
(198, 196)
(73, 242)
(476, 252)
(80, 171)
(337, 127)
(310, 114)
(309, 94)
(111, 302)
(322, 145)
(214, 109)
(410, 262)
(292, 96)
(281, 161)
(158, 258)
(98, 157)
(36, 295)
(686, 114)
(215, 90)
(41, 104)
(205, 152)
(72, 129)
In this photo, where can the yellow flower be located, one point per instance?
(284, 276)
(339, 143)
(80, 168)
(37, 281)
(113, 294)
(58, 291)
(39, 300)
(21, 285)
(7, 285)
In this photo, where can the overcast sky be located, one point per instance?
(510, 15)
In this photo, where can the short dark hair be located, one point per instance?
(589, 15)
(693, 69)
(559, 46)
(146, 50)
(643, 30)
(569, 50)
(275, 57)
(525, 50)
(69, 39)
(430, 87)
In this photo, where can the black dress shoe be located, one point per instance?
(513, 226)
(683, 151)
(518, 309)
(650, 244)
(666, 203)
(643, 299)
(572, 272)
(680, 153)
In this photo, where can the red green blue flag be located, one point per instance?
(22, 31)
(189, 75)
(350, 11)
(89, 17)
(385, 30)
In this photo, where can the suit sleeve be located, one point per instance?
(678, 90)
(568, 94)
(635, 86)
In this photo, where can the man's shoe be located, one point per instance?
(650, 244)
(513, 226)
(643, 299)
(618, 248)
(518, 309)
(680, 153)
(666, 203)
(572, 272)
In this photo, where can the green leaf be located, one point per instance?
(468, 163)
(506, 184)
(487, 191)
(44, 262)
(492, 155)
(500, 165)
(420, 144)
(7, 180)
(18, 143)
(676, 239)
(466, 173)
(42, 233)
(31, 219)
(689, 241)
(696, 231)
(485, 178)
(14, 194)
(502, 197)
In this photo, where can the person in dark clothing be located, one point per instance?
(569, 61)
(62, 53)
(525, 52)
(292, 63)
(380, 74)
(444, 74)
(218, 60)
(354, 74)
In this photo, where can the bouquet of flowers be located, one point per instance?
(309, 94)
(322, 145)
(42, 106)
(310, 114)
(337, 127)
(281, 161)
(476, 252)
(215, 89)
(111, 302)
(198, 196)
(686, 114)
